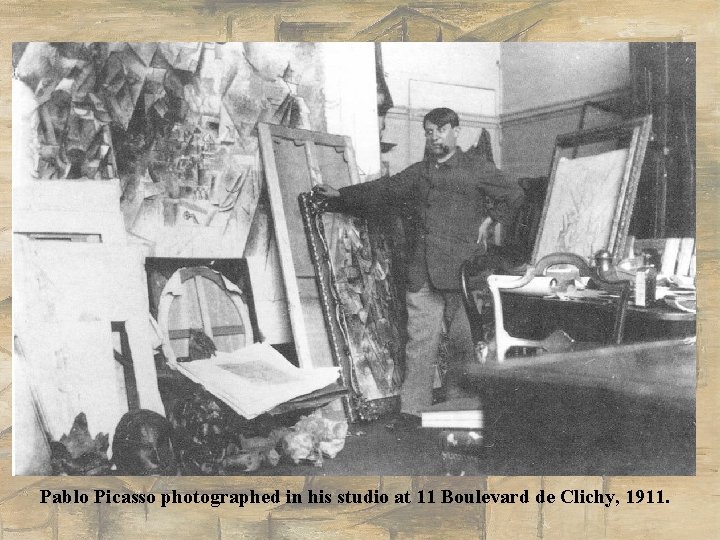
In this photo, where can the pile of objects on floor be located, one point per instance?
(201, 437)
(210, 438)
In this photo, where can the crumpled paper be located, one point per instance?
(315, 437)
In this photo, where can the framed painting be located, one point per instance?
(592, 188)
(337, 271)
(354, 268)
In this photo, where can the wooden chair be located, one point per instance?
(513, 248)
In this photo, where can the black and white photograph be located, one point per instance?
(353, 259)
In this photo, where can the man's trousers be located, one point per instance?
(426, 310)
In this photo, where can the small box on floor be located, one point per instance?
(463, 413)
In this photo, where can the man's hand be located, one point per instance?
(325, 197)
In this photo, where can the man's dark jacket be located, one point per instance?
(448, 202)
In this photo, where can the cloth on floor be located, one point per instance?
(255, 379)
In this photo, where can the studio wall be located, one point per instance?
(544, 86)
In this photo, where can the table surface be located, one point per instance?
(661, 371)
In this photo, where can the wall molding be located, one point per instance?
(535, 114)
(466, 119)
(562, 108)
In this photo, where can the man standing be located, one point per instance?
(450, 195)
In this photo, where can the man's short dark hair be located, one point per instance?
(442, 116)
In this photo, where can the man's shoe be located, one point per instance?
(404, 422)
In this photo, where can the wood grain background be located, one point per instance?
(693, 512)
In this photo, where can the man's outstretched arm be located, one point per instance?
(359, 199)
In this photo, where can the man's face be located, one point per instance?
(440, 140)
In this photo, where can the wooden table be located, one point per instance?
(661, 371)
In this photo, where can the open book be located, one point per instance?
(257, 378)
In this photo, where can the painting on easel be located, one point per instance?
(593, 183)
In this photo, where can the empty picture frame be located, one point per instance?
(592, 188)
(295, 160)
